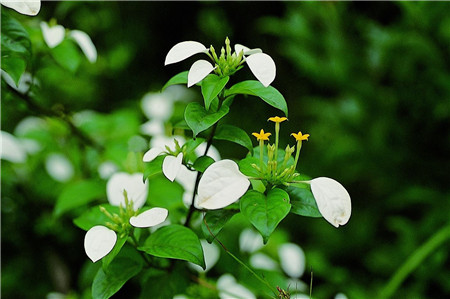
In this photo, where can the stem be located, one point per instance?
(58, 114)
(277, 132)
(136, 244)
(274, 290)
(261, 149)
(297, 154)
(415, 260)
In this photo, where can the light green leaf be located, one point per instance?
(78, 194)
(234, 134)
(176, 242)
(114, 252)
(15, 45)
(94, 216)
(137, 144)
(181, 78)
(198, 119)
(245, 166)
(67, 55)
(216, 220)
(109, 280)
(265, 212)
(153, 167)
(303, 202)
(212, 85)
(202, 163)
(268, 94)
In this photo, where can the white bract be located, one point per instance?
(250, 240)
(59, 167)
(85, 43)
(261, 65)
(53, 35)
(221, 185)
(136, 189)
(229, 288)
(292, 259)
(11, 148)
(262, 261)
(332, 200)
(26, 7)
(99, 241)
(211, 253)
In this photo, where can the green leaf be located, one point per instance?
(79, 194)
(268, 94)
(216, 220)
(137, 144)
(114, 252)
(198, 119)
(245, 166)
(181, 78)
(15, 47)
(176, 242)
(157, 284)
(153, 167)
(212, 85)
(67, 55)
(202, 163)
(94, 216)
(192, 144)
(265, 212)
(303, 202)
(109, 280)
(234, 134)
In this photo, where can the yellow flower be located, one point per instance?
(277, 119)
(300, 136)
(262, 135)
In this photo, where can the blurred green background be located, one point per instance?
(370, 82)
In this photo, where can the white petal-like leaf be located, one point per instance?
(27, 7)
(229, 288)
(247, 51)
(183, 50)
(263, 67)
(137, 190)
(11, 149)
(332, 200)
(54, 35)
(149, 218)
(292, 259)
(152, 153)
(98, 242)
(198, 71)
(87, 46)
(221, 184)
(172, 165)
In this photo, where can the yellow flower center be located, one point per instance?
(262, 135)
(277, 119)
(300, 136)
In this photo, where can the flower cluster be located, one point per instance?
(333, 200)
(129, 193)
(225, 64)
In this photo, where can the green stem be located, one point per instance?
(415, 260)
(297, 154)
(136, 245)
(261, 150)
(277, 132)
(274, 290)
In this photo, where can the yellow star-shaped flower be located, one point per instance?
(300, 136)
(262, 135)
(277, 119)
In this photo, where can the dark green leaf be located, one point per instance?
(198, 119)
(94, 216)
(67, 55)
(234, 134)
(303, 202)
(15, 47)
(212, 85)
(78, 194)
(159, 284)
(268, 94)
(215, 221)
(153, 167)
(176, 242)
(202, 163)
(181, 78)
(109, 280)
(265, 212)
(137, 144)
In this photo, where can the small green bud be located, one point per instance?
(213, 53)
